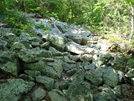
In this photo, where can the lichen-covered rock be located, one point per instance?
(54, 70)
(35, 66)
(78, 49)
(57, 40)
(27, 56)
(3, 45)
(11, 68)
(55, 52)
(32, 73)
(106, 94)
(24, 36)
(5, 56)
(79, 92)
(10, 37)
(86, 57)
(88, 67)
(110, 77)
(13, 89)
(94, 76)
(130, 73)
(57, 95)
(47, 81)
(38, 94)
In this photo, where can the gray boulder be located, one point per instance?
(47, 81)
(79, 92)
(38, 94)
(78, 49)
(106, 94)
(130, 73)
(10, 38)
(13, 89)
(54, 70)
(57, 95)
(56, 39)
(110, 77)
(95, 76)
(32, 73)
(86, 57)
(35, 66)
(3, 45)
(11, 68)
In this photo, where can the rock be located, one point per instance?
(67, 60)
(103, 96)
(132, 81)
(17, 46)
(45, 45)
(75, 57)
(11, 68)
(62, 85)
(56, 95)
(3, 45)
(26, 43)
(55, 52)
(5, 30)
(26, 77)
(130, 73)
(5, 56)
(32, 73)
(55, 70)
(47, 81)
(62, 26)
(68, 66)
(95, 76)
(24, 36)
(106, 94)
(36, 39)
(35, 66)
(79, 92)
(86, 57)
(57, 40)
(78, 76)
(110, 77)
(35, 44)
(117, 90)
(10, 38)
(38, 94)
(27, 56)
(13, 89)
(78, 49)
(88, 67)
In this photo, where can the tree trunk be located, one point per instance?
(132, 23)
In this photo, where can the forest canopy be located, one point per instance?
(102, 16)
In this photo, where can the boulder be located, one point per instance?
(38, 94)
(95, 76)
(47, 81)
(56, 39)
(110, 77)
(78, 49)
(130, 73)
(13, 89)
(106, 94)
(54, 70)
(35, 66)
(11, 68)
(56, 95)
(79, 91)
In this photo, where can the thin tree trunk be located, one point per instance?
(132, 23)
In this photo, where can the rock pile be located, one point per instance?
(62, 65)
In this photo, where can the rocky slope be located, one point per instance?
(66, 64)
